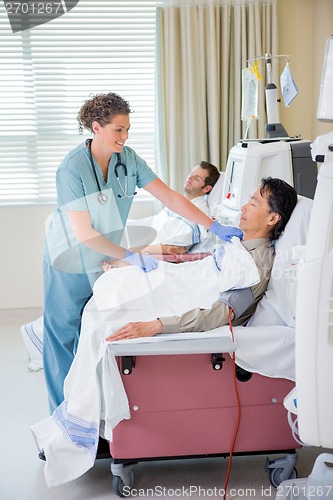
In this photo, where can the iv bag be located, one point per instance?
(249, 95)
(288, 86)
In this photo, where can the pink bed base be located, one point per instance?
(180, 406)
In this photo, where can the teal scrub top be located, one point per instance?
(77, 189)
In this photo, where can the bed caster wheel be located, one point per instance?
(275, 476)
(281, 469)
(122, 485)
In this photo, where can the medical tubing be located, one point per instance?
(294, 429)
(238, 409)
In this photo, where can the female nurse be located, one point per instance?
(96, 183)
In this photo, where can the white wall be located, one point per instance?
(21, 255)
(22, 251)
(304, 26)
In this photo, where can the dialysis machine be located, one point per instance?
(312, 400)
(250, 161)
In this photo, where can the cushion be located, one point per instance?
(32, 334)
(214, 198)
(275, 308)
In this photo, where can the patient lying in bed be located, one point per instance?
(263, 219)
(167, 232)
(95, 400)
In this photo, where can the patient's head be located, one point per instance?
(201, 180)
(268, 210)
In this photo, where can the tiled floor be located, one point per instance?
(24, 402)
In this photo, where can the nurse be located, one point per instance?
(96, 184)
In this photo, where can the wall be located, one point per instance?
(304, 26)
(22, 251)
(21, 255)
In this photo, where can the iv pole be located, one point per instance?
(273, 128)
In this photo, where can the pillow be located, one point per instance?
(214, 198)
(275, 308)
(32, 334)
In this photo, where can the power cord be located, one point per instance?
(233, 357)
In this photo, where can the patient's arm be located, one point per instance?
(137, 329)
(201, 320)
(151, 249)
(161, 249)
(196, 320)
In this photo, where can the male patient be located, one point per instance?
(263, 220)
(174, 233)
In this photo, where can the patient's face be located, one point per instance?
(256, 218)
(195, 182)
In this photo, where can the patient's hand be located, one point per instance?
(137, 329)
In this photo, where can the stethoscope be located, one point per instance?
(102, 198)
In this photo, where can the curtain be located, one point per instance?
(202, 46)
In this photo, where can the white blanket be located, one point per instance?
(95, 400)
(174, 289)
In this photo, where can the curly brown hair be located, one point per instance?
(101, 108)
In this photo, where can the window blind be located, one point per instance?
(49, 71)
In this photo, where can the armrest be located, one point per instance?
(175, 343)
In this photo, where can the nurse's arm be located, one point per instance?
(177, 203)
(161, 249)
(86, 234)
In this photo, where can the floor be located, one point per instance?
(24, 403)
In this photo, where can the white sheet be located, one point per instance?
(275, 306)
(268, 351)
(197, 283)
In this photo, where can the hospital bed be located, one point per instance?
(181, 393)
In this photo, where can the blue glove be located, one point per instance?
(225, 232)
(146, 262)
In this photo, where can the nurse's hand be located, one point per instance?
(146, 262)
(136, 329)
(225, 232)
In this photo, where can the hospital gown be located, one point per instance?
(168, 228)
